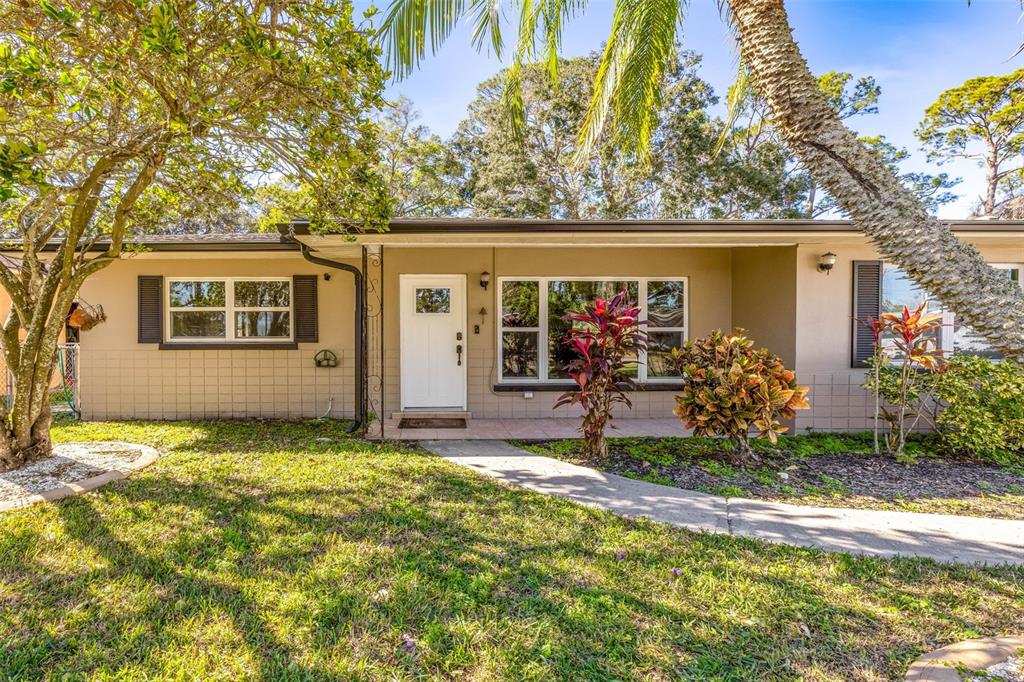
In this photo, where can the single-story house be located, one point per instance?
(461, 316)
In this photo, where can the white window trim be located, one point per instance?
(229, 309)
(542, 328)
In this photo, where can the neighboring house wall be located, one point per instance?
(122, 378)
(710, 307)
(824, 314)
(5, 306)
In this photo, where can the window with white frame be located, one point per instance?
(532, 332)
(229, 309)
(954, 338)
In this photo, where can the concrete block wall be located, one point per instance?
(208, 384)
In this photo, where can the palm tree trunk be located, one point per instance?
(889, 214)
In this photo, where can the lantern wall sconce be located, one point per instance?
(485, 279)
(826, 262)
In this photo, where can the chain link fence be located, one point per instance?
(64, 394)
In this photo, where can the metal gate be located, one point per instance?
(64, 393)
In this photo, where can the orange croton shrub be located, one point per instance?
(732, 389)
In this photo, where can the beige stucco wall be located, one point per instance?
(764, 297)
(710, 301)
(124, 379)
(776, 292)
(824, 323)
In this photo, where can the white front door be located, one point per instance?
(433, 329)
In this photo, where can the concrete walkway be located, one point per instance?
(959, 539)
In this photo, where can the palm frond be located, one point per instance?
(556, 13)
(739, 95)
(512, 99)
(540, 22)
(411, 27)
(486, 16)
(629, 82)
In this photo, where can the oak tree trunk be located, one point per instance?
(30, 352)
(19, 447)
(890, 215)
(25, 430)
(25, 433)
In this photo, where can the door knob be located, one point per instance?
(458, 349)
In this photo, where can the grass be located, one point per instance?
(256, 550)
(674, 461)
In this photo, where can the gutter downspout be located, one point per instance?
(359, 331)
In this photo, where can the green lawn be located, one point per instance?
(255, 551)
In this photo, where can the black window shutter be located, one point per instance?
(151, 314)
(867, 302)
(304, 305)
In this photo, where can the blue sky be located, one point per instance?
(915, 49)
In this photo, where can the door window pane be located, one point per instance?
(198, 324)
(666, 304)
(197, 294)
(519, 304)
(659, 353)
(433, 301)
(519, 355)
(569, 296)
(256, 294)
(262, 324)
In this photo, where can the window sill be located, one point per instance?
(213, 345)
(562, 386)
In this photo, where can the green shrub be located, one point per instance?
(982, 411)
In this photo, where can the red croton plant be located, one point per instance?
(900, 370)
(607, 339)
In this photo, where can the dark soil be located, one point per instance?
(840, 479)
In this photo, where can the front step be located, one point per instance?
(431, 414)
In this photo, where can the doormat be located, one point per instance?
(432, 423)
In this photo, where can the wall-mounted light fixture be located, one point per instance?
(826, 262)
(485, 279)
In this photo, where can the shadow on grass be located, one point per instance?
(256, 550)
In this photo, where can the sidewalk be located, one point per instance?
(959, 539)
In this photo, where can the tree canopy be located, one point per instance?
(981, 120)
(422, 173)
(542, 174)
(700, 167)
(121, 116)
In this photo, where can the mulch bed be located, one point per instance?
(833, 479)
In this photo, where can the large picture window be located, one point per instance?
(229, 309)
(954, 338)
(532, 331)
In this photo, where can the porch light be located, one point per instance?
(826, 262)
(485, 279)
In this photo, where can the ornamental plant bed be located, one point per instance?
(831, 470)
